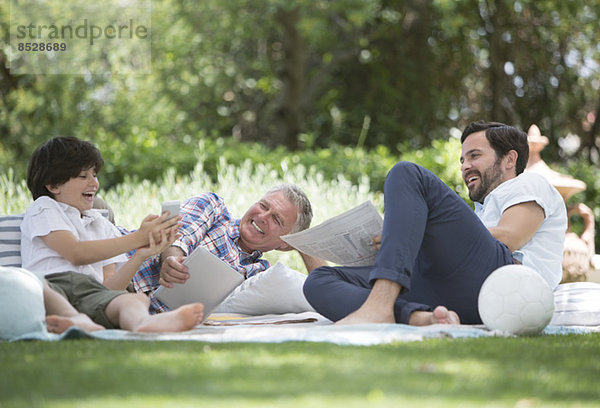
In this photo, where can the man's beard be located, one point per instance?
(488, 181)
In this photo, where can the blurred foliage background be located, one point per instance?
(347, 86)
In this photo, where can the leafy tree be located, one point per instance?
(537, 63)
(314, 73)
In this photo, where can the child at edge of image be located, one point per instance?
(81, 255)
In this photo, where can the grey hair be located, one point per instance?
(297, 197)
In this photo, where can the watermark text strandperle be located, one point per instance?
(91, 31)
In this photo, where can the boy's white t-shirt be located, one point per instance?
(544, 251)
(46, 215)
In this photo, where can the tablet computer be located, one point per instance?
(211, 281)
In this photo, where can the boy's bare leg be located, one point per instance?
(379, 308)
(60, 314)
(130, 312)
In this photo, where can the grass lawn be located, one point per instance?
(494, 372)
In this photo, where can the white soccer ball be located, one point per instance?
(517, 300)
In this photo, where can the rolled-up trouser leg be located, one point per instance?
(335, 292)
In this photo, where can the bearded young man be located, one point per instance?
(436, 252)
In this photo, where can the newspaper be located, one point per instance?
(344, 239)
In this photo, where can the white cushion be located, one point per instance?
(577, 304)
(10, 240)
(21, 303)
(277, 290)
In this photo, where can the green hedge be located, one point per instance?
(142, 158)
(590, 174)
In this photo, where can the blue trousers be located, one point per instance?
(433, 245)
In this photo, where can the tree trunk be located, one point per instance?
(594, 134)
(288, 112)
(494, 20)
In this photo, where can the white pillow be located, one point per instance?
(577, 304)
(277, 290)
(21, 303)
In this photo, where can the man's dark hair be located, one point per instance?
(57, 161)
(502, 138)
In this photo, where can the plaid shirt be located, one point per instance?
(207, 222)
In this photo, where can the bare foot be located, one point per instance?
(379, 306)
(440, 315)
(366, 314)
(58, 324)
(181, 319)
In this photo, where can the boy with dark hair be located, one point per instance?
(77, 250)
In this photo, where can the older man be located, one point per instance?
(239, 242)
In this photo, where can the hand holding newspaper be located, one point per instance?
(344, 239)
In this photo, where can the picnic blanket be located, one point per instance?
(303, 327)
(279, 315)
(278, 312)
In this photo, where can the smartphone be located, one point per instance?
(172, 207)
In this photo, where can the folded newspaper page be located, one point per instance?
(344, 239)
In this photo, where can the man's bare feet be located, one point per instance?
(440, 315)
(58, 324)
(181, 319)
(365, 315)
(378, 307)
